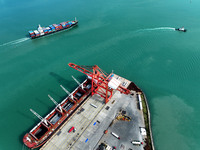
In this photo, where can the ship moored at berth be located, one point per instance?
(48, 125)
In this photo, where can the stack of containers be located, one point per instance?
(48, 29)
(53, 28)
(36, 33)
(45, 30)
(70, 23)
(56, 26)
(60, 27)
(63, 24)
(31, 33)
(67, 24)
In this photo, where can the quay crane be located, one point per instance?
(102, 83)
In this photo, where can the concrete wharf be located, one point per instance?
(94, 117)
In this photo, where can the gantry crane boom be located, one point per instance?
(100, 80)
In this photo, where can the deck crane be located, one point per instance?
(46, 122)
(81, 85)
(101, 81)
(57, 105)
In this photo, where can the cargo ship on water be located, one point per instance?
(42, 31)
(56, 118)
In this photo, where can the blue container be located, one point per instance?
(51, 26)
(30, 32)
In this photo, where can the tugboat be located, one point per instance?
(181, 29)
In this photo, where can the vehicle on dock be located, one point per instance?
(42, 31)
(105, 146)
(49, 125)
(135, 142)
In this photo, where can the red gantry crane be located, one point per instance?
(102, 83)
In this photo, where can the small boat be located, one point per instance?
(181, 29)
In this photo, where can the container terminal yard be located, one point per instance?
(115, 115)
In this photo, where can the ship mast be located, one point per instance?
(78, 82)
(39, 117)
(51, 98)
(72, 97)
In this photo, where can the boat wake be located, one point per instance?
(15, 42)
(160, 28)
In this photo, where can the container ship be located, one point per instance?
(42, 31)
(58, 116)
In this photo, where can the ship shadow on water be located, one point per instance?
(70, 84)
(44, 103)
(53, 93)
(60, 79)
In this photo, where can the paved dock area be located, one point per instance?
(94, 117)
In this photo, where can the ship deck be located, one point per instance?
(94, 117)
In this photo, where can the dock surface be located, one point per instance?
(94, 117)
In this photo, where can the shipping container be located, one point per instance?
(55, 25)
(31, 32)
(36, 32)
(63, 25)
(53, 28)
(49, 30)
(60, 27)
(45, 30)
(33, 35)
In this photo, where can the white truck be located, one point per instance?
(138, 143)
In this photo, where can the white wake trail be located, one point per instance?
(160, 28)
(15, 41)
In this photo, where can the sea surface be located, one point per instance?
(134, 38)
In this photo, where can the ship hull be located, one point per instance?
(41, 133)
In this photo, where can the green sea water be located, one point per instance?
(134, 38)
